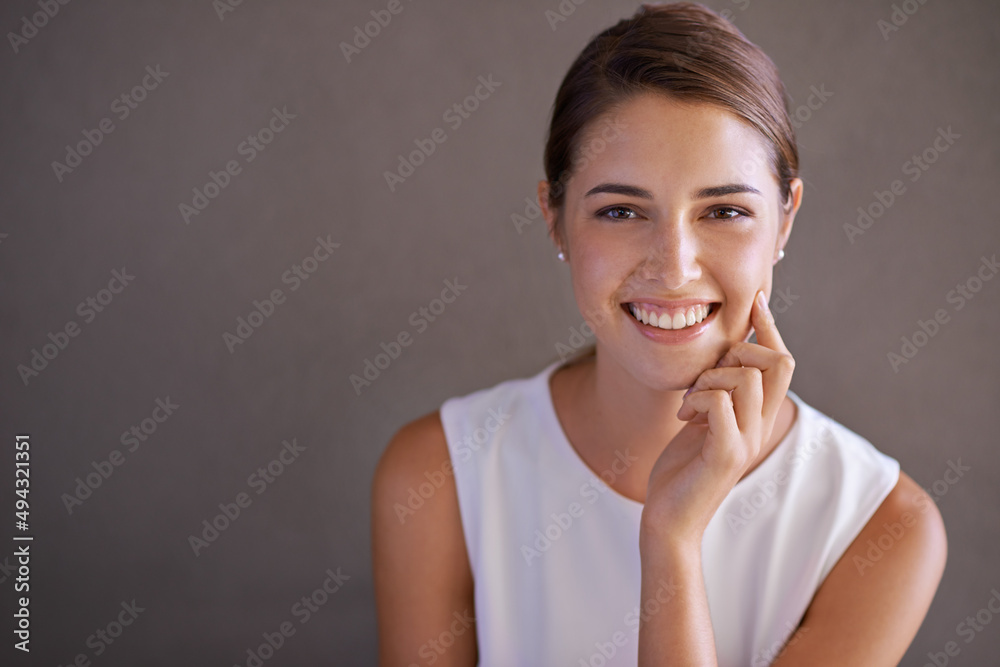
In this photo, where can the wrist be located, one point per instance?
(667, 544)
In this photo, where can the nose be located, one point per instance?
(672, 254)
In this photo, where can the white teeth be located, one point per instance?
(679, 320)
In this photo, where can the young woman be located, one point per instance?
(663, 499)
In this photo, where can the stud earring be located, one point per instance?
(781, 255)
(561, 256)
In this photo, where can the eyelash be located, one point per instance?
(740, 213)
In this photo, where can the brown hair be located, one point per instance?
(683, 50)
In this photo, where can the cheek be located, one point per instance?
(742, 268)
(598, 274)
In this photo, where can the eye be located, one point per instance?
(728, 213)
(605, 213)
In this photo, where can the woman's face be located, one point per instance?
(675, 212)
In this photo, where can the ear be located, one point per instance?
(788, 213)
(549, 214)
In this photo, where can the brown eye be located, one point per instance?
(727, 213)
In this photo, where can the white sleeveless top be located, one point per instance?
(554, 550)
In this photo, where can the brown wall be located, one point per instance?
(161, 336)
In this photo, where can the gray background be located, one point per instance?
(323, 175)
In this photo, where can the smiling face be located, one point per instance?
(677, 216)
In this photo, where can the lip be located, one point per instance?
(672, 336)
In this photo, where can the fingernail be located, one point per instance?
(690, 389)
(762, 300)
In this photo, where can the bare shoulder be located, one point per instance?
(417, 444)
(423, 581)
(872, 603)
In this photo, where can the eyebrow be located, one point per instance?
(642, 193)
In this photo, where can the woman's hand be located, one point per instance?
(730, 410)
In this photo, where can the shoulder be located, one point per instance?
(420, 563)
(847, 460)
(885, 506)
(908, 519)
(417, 439)
(416, 449)
(870, 606)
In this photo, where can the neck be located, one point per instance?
(614, 413)
(627, 413)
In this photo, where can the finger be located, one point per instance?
(762, 321)
(726, 450)
(751, 354)
(746, 385)
(776, 374)
(714, 406)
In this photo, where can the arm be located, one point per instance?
(678, 630)
(730, 411)
(868, 612)
(423, 582)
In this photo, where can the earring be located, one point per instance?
(561, 256)
(781, 255)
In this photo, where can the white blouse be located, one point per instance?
(554, 550)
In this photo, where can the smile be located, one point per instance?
(670, 318)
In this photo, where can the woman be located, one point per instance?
(663, 498)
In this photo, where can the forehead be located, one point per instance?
(662, 144)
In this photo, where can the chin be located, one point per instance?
(665, 374)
